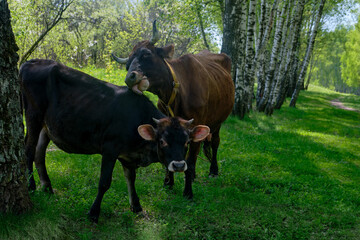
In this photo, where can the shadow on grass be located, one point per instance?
(294, 175)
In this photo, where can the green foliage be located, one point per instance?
(294, 175)
(91, 30)
(350, 59)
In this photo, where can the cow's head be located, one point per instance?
(145, 65)
(173, 136)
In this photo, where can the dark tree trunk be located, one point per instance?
(14, 195)
(231, 21)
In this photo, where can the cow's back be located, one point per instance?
(206, 87)
(82, 114)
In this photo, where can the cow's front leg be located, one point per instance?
(130, 175)
(107, 167)
(190, 173)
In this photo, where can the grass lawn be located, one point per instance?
(294, 175)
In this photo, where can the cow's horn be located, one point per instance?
(120, 60)
(156, 120)
(156, 35)
(190, 121)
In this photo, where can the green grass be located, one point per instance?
(294, 175)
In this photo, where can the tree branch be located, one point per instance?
(57, 18)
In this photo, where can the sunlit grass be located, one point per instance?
(294, 175)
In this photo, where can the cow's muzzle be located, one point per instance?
(137, 82)
(177, 166)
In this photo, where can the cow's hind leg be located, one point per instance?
(107, 167)
(42, 144)
(33, 128)
(130, 175)
(215, 141)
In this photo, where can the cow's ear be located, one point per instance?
(166, 52)
(199, 133)
(147, 132)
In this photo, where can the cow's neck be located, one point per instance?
(169, 83)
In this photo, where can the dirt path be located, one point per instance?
(338, 104)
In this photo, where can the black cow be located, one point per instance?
(82, 114)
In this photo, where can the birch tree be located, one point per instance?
(231, 31)
(261, 53)
(240, 62)
(278, 78)
(309, 50)
(14, 195)
(244, 76)
(274, 56)
(292, 56)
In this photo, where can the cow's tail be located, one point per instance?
(21, 96)
(207, 149)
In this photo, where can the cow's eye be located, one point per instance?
(146, 55)
(163, 143)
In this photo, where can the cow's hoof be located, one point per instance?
(47, 189)
(136, 209)
(188, 195)
(32, 185)
(168, 184)
(212, 175)
(92, 218)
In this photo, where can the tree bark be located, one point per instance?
(309, 51)
(273, 60)
(278, 79)
(292, 56)
(231, 32)
(14, 195)
(240, 86)
(262, 53)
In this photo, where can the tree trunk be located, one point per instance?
(244, 93)
(262, 53)
(292, 56)
(240, 86)
(231, 32)
(14, 195)
(309, 51)
(278, 79)
(273, 60)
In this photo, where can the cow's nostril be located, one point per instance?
(178, 166)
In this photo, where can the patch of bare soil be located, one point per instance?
(338, 104)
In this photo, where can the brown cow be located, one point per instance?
(192, 86)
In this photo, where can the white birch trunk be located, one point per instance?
(309, 51)
(278, 79)
(274, 56)
(239, 80)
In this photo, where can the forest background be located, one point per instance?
(273, 44)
